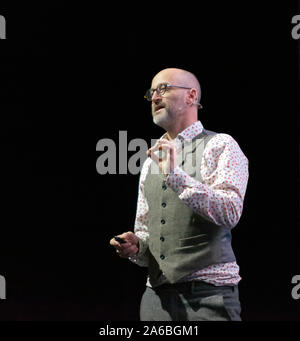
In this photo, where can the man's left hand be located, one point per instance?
(166, 158)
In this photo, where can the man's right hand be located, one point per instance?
(128, 249)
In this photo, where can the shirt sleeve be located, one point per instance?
(224, 170)
(141, 221)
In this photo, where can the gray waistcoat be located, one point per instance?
(181, 241)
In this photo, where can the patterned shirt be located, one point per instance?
(218, 198)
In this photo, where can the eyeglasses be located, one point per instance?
(161, 89)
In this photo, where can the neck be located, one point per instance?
(178, 127)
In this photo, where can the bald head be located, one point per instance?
(180, 77)
(175, 107)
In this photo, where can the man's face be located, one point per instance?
(168, 107)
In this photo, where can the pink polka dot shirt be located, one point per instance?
(218, 198)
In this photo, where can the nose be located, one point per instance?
(156, 97)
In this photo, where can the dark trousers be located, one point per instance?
(190, 301)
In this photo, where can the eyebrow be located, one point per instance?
(159, 84)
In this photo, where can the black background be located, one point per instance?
(72, 74)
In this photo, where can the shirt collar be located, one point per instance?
(188, 133)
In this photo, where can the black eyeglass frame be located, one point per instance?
(161, 91)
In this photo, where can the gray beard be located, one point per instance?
(166, 119)
(163, 120)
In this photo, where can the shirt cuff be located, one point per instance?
(140, 257)
(143, 246)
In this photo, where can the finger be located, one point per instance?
(162, 146)
(116, 245)
(153, 156)
(163, 140)
(130, 237)
(164, 153)
(124, 247)
(121, 254)
(159, 143)
(113, 242)
(161, 151)
(125, 235)
(149, 151)
(128, 252)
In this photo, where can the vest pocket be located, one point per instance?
(192, 241)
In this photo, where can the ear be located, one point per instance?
(192, 97)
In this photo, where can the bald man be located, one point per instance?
(191, 193)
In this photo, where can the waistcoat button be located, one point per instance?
(163, 204)
(162, 257)
(164, 187)
(162, 239)
(163, 221)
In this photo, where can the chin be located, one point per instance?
(162, 120)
